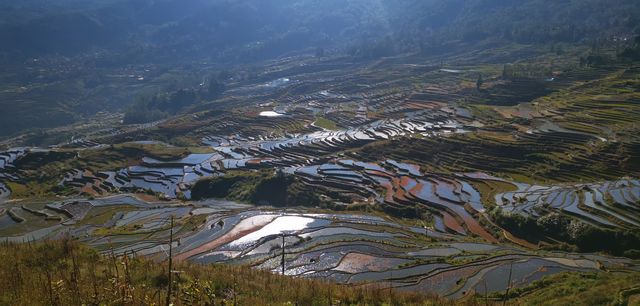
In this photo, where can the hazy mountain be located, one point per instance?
(268, 28)
(193, 29)
(75, 41)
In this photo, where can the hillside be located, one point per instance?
(147, 47)
(267, 29)
(66, 273)
(319, 152)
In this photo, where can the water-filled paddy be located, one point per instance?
(444, 256)
(270, 114)
(347, 248)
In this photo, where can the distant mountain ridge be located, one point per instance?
(67, 59)
(195, 29)
(270, 28)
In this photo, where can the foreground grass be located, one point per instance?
(67, 273)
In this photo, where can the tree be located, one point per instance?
(632, 52)
(181, 99)
(215, 89)
(505, 72)
(479, 82)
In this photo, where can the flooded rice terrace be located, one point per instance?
(174, 179)
(346, 248)
(454, 255)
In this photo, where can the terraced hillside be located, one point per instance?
(140, 281)
(585, 132)
(346, 248)
(403, 172)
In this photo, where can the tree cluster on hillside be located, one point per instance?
(632, 52)
(148, 108)
(586, 237)
(260, 29)
(264, 187)
(432, 26)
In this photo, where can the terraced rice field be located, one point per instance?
(453, 200)
(457, 205)
(353, 249)
(172, 178)
(609, 204)
(7, 160)
(4, 192)
(418, 142)
(167, 178)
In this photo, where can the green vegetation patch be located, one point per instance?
(613, 288)
(582, 236)
(264, 187)
(325, 124)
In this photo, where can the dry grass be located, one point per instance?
(67, 273)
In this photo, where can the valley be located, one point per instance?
(391, 173)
